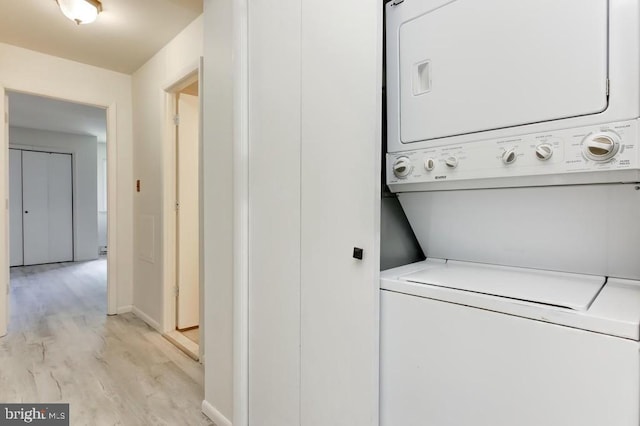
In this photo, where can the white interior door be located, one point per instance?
(47, 207)
(188, 257)
(15, 207)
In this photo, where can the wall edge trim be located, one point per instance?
(215, 415)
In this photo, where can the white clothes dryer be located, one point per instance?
(498, 93)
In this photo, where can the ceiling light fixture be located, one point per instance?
(80, 11)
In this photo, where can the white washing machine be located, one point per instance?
(513, 148)
(472, 344)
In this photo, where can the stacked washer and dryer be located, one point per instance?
(513, 149)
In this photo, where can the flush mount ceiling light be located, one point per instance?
(80, 11)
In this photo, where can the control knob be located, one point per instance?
(429, 164)
(451, 162)
(402, 167)
(509, 156)
(544, 151)
(601, 146)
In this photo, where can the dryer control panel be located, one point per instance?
(594, 154)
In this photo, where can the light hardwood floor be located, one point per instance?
(192, 334)
(116, 370)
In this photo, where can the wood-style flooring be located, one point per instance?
(113, 370)
(192, 334)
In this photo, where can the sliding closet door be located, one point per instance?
(47, 205)
(60, 208)
(35, 203)
(15, 207)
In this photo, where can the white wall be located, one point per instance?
(32, 72)
(85, 200)
(102, 195)
(218, 134)
(171, 63)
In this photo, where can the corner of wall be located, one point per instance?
(146, 318)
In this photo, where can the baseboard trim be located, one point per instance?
(215, 415)
(146, 318)
(124, 309)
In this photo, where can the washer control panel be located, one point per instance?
(612, 147)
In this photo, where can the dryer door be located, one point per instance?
(471, 66)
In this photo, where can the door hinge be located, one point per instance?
(176, 291)
(176, 120)
(396, 2)
(608, 86)
(177, 206)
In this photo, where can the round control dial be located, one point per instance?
(602, 146)
(544, 151)
(402, 167)
(429, 164)
(509, 156)
(451, 162)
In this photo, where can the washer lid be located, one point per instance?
(561, 289)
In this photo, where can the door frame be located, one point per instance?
(241, 199)
(183, 79)
(112, 255)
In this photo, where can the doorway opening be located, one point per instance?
(183, 225)
(57, 207)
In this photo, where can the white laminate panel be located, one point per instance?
(274, 213)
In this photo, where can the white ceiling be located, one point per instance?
(126, 34)
(36, 112)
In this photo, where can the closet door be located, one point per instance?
(15, 207)
(35, 202)
(60, 208)
(47, 207)
(340, 205)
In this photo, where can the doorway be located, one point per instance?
(184, 325)
(54, 188)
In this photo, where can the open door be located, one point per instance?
(4, 213)
(188, 217)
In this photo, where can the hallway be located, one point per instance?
(62, 347)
